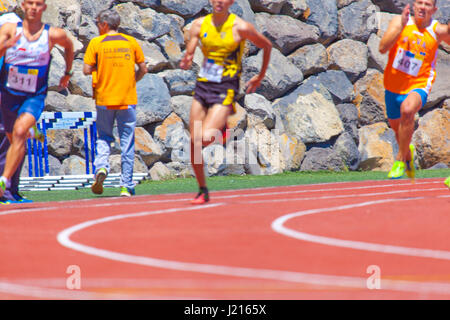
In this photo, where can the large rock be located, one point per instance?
(260, 107)
(370, 98)
(357, 21)
(59, 142)
(73, 165)
(292, 151)
(440, 89)
(377, 147)
(309, 116)
(263, 155)
(347, 150)
(270, 6)
(160, 172)
(148, 150)
(338, 85)
(144, 24)
(181, 105)
(286, 33)
(174, 138)
(432, 138)
(349, 56)
(310, 59)
(392, 6)
(376, 59)
(183, 8)
(153, 100)
(154, 59)
(295, 8)
(324, 15)
(281, 75)
(179, 82)
(321, 159)
(171, 49)
(349, 117)
(92, 8)
(115, 164)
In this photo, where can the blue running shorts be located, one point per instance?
(13, 106)
(395, 100)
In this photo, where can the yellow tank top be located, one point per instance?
(412, 60)
(222, 54)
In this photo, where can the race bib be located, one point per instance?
(22, 79)
(211, 71)
(406, 61)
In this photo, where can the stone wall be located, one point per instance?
(320, 107)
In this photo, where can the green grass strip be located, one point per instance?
(189, 185)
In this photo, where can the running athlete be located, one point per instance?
(447, 182)
(26, 48)
(412, 42)
(222, 37)
(112, 58)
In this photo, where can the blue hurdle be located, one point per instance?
(62, 120)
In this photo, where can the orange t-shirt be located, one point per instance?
(412, 60)
(115, 57)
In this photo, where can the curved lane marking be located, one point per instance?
(278, 226)
(266, 274)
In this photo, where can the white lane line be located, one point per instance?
(253, 273)
(360, 195)
(85, 204)
(67, 294)
(278, 226)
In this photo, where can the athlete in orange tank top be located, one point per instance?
(412, 42)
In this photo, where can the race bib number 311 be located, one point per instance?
(22, 79)
(406, 62)
(211, 71)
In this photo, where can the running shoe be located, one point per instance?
(201, 198)
(5, 201)
(127, 192)
(2, 187)
(19, 199)
(410, 169)
(447, 182)
(397, 171)
(100, 176)
(37, 134)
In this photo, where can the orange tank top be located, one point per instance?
(412, 60)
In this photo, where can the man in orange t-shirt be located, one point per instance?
(412, 42)
(111, 59)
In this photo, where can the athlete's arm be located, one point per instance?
(142, 70)
(247, 31)
(443, 32)
(394, 30)
(60, 37)
(194, 38)
(7, 37)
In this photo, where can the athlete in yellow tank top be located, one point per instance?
(222, 54)
(221, 36)
(412, 42)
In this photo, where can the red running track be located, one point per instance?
(359, 240)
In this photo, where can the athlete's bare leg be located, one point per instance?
(16, 151)
(408, 109)
(196, 120)
(205, 126)
(394, 124)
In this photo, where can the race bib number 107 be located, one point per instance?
(406, 62)
(22, 79)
